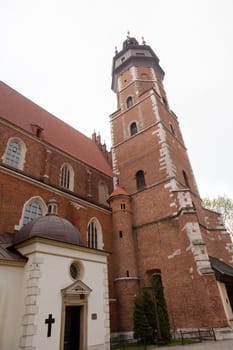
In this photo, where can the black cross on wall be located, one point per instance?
(49, 321)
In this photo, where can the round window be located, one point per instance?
(74, 271)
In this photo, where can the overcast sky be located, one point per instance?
(59, 54)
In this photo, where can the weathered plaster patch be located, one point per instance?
(160, 132)
(206, 219)
(119, 83)
(112, 134)
(172, 184)
(220, 220)
(175, 253)
(155, 107)
(156, 86)
(165, 158)
(33, 275)
(198, 248)
(134, 73)
(191, 269)
(166, 161)
(191, 272)
(184, 199)
(229, 248)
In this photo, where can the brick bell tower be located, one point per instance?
(159, 225)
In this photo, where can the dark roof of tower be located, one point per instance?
(52, 227)
(25, 114)
(133, 54)
(129, 42)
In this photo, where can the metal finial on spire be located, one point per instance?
(143, 41)
(116, 51)
(128, 34)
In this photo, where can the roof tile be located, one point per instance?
(24, 113)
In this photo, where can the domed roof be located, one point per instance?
(52, 227)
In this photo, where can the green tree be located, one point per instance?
(164, 334)
(224, 206)
(144, 318)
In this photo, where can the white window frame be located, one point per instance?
(35, 199)
(97, 242)
(22, 147)
(68, 182)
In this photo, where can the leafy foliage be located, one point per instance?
(164, 333)
(144, 318)
(224, 206)
(151, 321)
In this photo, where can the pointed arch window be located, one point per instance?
(15, 153)
(133, 128)
(140, 179)
(34, 208)
(94, 235)
(67, 177)
(129, 102)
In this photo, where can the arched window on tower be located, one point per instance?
(140, 179)
(186, 180)
(129, 102)
(94, 234)
(133, 128)
(15, 153)
(67, 177)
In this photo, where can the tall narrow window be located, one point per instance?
(94, 234)
(133, 129)
(186, 180)
(13, 154)
(67, 175)
(129, 102)
(140, 179)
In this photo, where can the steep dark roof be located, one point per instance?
(6, 251)
(24, 113)
(223, 271)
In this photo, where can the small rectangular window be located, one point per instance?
(122, 205)
(120, 234)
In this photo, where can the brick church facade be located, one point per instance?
(140, 202)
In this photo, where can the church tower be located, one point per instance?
(168, 233)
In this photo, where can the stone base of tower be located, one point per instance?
(126, 288)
